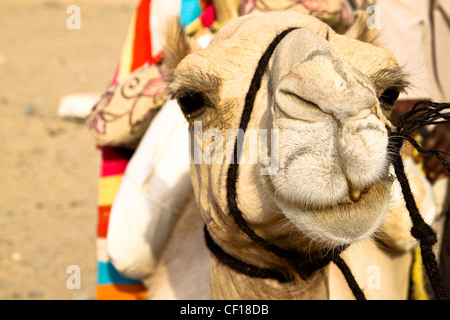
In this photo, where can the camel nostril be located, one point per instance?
(292, 105)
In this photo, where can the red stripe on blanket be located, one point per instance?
(103, 220)
(142, 50)
(116, 74)
(115, 161)
(208, 16)
(114, 167)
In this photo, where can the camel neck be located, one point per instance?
(302, 267)
(229, 284)
(290, 281)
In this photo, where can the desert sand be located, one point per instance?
(49, 166)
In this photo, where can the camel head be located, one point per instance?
(323, 101)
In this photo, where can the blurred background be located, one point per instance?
(49, 166)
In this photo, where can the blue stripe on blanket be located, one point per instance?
(190, 10)
(107, 274)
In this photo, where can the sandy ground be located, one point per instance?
(49, 166)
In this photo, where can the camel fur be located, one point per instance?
(323, 93)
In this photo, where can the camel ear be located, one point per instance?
(177, 45)
(360, 30)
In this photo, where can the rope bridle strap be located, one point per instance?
(295, 258)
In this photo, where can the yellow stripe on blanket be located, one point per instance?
(126, 55)
(108, 187)
(419, 291)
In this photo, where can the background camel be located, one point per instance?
(334, 187)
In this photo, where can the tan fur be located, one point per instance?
(231, 285)
(177, 46)
(360, 31)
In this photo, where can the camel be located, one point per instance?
(327, 98)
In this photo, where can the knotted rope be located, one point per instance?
(408, 124)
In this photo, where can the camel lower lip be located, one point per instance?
(343, 223)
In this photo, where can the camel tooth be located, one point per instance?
(355, 194)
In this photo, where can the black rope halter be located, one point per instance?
(408, 124)
(294, 257)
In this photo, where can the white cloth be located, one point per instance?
(417, 33)
(154, 187)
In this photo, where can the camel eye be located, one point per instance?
(191, 103)
(389, 96)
